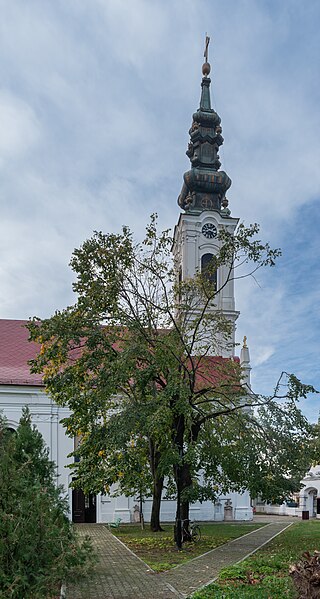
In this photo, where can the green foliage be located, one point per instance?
(38, 548)
(266, 450)
(277, 588)
(116, 452)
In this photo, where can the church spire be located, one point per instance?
(204, 185)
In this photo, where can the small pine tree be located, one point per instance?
(38, 548)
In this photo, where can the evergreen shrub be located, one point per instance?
(38, 545)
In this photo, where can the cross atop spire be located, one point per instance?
(205, 54)
(206, 66)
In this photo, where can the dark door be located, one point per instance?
(90, 508)
(83, 507)
(78, 509)
(318, 505)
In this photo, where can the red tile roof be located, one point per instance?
(15, 351)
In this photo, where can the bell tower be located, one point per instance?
(204, 204)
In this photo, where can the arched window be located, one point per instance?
(10, 430)
(209, 269)
(6, 433)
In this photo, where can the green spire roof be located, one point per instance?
(204, 185)
(205, 102)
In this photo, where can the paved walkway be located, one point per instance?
(122, 575)
(188, 577)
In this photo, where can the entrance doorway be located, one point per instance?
(83, 507)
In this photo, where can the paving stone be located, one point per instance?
(120, 574)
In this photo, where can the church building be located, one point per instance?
(204, 212)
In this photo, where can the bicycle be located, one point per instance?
(190, 531)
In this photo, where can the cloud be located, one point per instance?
(20, 129)
(282, 313)
(95, 104)
(263, 355)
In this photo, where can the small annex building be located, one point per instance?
(309, 496)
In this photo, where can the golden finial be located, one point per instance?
(245, 341)
(206, 67)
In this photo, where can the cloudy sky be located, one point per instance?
(96, 99)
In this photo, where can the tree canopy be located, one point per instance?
(137, 359)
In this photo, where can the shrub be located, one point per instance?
(38, 547)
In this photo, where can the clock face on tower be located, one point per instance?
(209, 230)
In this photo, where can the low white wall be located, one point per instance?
(278, 510)
(110, 508)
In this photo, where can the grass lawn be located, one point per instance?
(158, 550)
(265, 574)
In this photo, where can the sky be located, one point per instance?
(96, 100)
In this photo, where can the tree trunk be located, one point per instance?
(154, 458)
(156, 504)
(183, 478)
(185, 483)
(185, 510)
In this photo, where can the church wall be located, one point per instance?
(110, 508)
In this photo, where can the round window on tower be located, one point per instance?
(209, 230)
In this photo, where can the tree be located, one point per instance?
(123, 450)
(266, 450)
(139, 340)
(38, 548)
